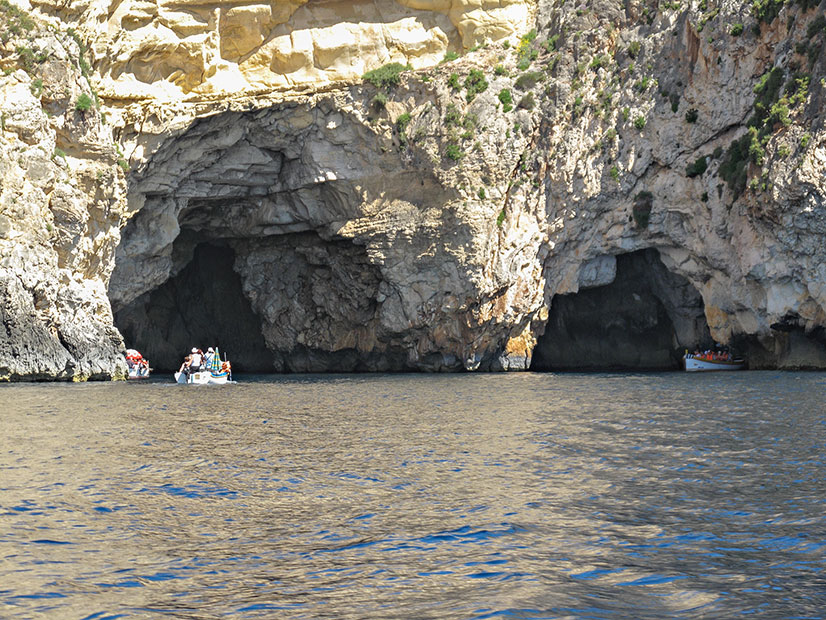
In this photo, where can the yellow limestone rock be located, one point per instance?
(163, 50)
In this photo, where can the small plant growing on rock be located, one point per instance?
(482, 194)
(83, 103)
(639, 122)
(500, 219)
(626, 113)
(499, 70)
(528, 80)
(401, 125)
(379, 101)
(697, 168)
(14, 20)
(691, 116)
(453, 152)
(634, 49)
(450, 56)
(736, 30)
(598, 62)
(506, 99)
(453, 81)
(528, 102)
(525, 51)
(641, 211)
(614, 172)
(452, 116)
(475, 83)
(386, 76)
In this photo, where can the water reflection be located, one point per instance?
(412, 496)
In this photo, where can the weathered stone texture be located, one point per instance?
(424, 227)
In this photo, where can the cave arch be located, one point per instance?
(272, 193)
(643, 319)
(203, 305)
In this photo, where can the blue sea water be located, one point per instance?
(416, 496)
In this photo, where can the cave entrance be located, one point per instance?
(643, 320)
(203, 305)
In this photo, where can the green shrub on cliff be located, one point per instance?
(641, 211)
(767, 90)
(13, 21)
(454, 152)
(83, 103)
(506, 99)
(527, 80)
(387, 76)
(816, 26)
(766, 10)
(401, 126)
(475, 83)
(697, 168)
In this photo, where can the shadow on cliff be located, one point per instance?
(643, 320)
(202, 306)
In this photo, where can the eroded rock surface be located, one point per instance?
(62, 200)
(431, 225)
(165, 50)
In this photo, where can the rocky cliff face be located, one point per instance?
(433, 218)
(62, 201)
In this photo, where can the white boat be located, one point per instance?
(697, 363)
(138, 367)
(218, 373)
(203, 377)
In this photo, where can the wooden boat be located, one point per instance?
(137, 365)
(698, 363)
(218, 373)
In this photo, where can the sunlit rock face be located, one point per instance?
(62, 201)
(353, 255)
(433, 225)
(149, 49)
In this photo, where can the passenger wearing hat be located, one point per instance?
(208, 357)
(194, 364)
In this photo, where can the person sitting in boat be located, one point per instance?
(185, 365)
(193, 361)
(133, 357)
(208, 357)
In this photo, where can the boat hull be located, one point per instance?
(202, 378)
(136, 374)
(693, 364)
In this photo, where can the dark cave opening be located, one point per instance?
(202, 305)
(643, 320)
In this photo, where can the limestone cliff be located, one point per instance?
(442, 217)
(62, 202)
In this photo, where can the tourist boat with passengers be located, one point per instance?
(137, 365)
(696, 362)
(218, 373)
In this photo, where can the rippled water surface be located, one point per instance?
(416, 496)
